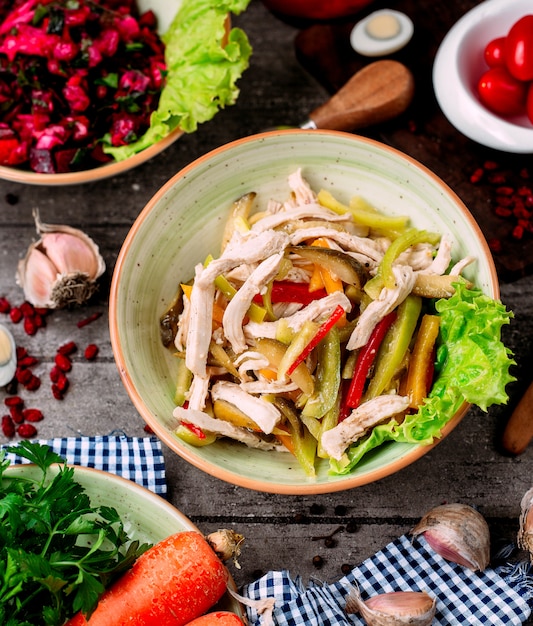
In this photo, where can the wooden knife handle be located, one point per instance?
(519, 429)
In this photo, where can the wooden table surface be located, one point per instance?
(294, 68)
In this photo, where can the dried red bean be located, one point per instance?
(63, 362)
(15, 314)
(502, 211)
(56, 392)
(27, 361)
(30, 327)
(89, 320)
(518, 232)
(39, 320)
(27, 431)
(495, 245)
(68, 348)
(8, 427)
(23, 375)
(5, 306)
(17, 414)
(32, 415)
(490, 165)
(497, 179)
(148, 429)
(55, 374)
(63, 384)
(504, 191)
(21, 352)
(14, 401)
(27, 309)
(34, 384)
(91, 352)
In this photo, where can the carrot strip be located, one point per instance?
(172, 583)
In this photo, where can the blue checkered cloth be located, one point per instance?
(463, 597)
(138, 459)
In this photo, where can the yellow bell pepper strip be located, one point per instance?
(421, 363)
(274, 350)
(394, 347)
(224, 410)
(330, 280)
(411, 237)
(322, 331)
(372, 219)
(365, 359)
(222, 358)
(183, 382)
(286, 291)
(316, 282)
(237, 219)
(328, 376)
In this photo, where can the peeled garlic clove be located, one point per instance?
(395, 608)
(60, 269)
(525, 530)
(458, 533)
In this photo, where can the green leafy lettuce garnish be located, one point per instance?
(57, 552)
(472, 366)
(204, 62)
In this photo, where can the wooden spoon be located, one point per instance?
(377, 93)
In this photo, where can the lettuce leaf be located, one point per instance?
(204, 62)
(472, 366)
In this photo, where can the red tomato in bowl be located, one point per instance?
(519, 49)
(501, 93)
(316, 9)
(494, 52)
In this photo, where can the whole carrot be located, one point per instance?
(218, 618)
(172, 583)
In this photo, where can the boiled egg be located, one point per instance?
(382, 32)
(8, 356)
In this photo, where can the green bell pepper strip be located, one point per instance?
(394, 346)
(365, 359)
(328, 376)
(183, 382)
(322, 331)
(303, 441)
(296, 348)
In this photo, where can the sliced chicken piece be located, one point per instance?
(313, 211)
(348, 242)
(301, 188)
(198, 391)
(458, 268)
(262, 412)
(443, 258)
(313, 311)
(419, 257)
(388, 300)
(225, 429)
(366, 416)
(238, 306)
(200, 324)
(250, 361)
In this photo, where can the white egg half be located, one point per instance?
(8, 356)
(382, 32)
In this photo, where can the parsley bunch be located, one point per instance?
(58, 553)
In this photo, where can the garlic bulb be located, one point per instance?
(60, 269)
(458, 533)
(525, 531)
(395, 608)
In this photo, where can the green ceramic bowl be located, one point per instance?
(147, 516)
(182, 224)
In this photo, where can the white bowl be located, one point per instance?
(458, 66)
(183, 223)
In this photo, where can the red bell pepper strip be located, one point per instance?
(321, 333)
(365, 358)
(286, 291)
(171, 584)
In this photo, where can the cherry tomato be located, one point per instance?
(519, 48)
(494, 52)
(501, 93)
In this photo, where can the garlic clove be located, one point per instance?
(394, 608)
(525, 530)
(458, 533)
(61, 269)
